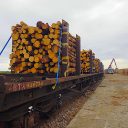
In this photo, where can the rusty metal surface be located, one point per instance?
(19, 86)
(20, 95)
(21, 77)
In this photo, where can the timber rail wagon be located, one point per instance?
(20, 91)
(46, 64)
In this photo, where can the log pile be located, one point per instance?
(97, 65)
(90, 64)
(72, 53)
(36, 49)
(86, 61)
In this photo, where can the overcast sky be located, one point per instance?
(102, 24)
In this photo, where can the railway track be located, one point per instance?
(71, 104)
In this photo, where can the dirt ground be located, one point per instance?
(107, 107)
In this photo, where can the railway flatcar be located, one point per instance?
(45, 65)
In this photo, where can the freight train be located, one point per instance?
(41, 75)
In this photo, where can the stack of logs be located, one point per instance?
(72, 54)
(98, 65)
(90, 64)
(36, 49)
(86, 59)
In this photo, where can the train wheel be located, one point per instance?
(31, 120)
(2, 125)
(18, 123)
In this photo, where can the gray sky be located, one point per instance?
(102, 24)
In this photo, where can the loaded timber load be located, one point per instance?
(38, 53)
(86, 61)
(90, 64)
(97, 64)
(45, 49)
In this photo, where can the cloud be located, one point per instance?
(102, 24)
(4, 64)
